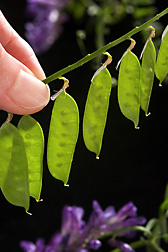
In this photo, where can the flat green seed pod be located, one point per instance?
(63, 135)
(96, 109)
(6, 135)
(15, 186)
(147, 75)
(33, 138)
(161, 67)
(129, 87)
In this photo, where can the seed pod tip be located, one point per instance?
(40, 200)
(148, 114)
(29, 213)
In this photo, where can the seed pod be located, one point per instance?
(7, 132)
(32, 134)
(63, 134)
(15, 182)
(129, 87)
(147, 75)
(161, 67)
(96, 109)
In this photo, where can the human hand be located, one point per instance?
(21, 89)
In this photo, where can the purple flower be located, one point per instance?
(72, 220)
(108, 220)
(77, 235)
(124, 247)
(46, 25)
(55, 244)
(72, 226)
(95, 244)
(31, 247)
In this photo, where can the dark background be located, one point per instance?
(133, 164)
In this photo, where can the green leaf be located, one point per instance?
(63, 135)
(164, 204)
(15, 185)
(147, 75)
(161, 67)
(96, 110)
(166, 193)
(33, 137)
(129, 87)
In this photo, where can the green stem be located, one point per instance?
(147, 232)
(135, 245)
(135, 228)
(156, 247)
(104, 48)
(139, 244)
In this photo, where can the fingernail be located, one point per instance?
(29, 92)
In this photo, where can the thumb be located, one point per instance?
(20, 91)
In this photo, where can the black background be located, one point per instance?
(133, 164)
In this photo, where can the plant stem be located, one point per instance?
(135, 245)
(135, 228)
(103, 49)
(142, 229)
(156, 247)
(139, 244)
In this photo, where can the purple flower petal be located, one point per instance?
(124, 247)
(109, 212)
(82, 250)
(95, 244)
(28, 246)
(127, 210)
(31, 247)
(55, 243)
(72, 219)
(134, 221)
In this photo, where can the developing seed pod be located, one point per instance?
(147, 75)
(161, 67)
(132, 44)
(96, 109)
(7, 132)
(63, 134)
(129, 87)
(33, 138)
(15, 183)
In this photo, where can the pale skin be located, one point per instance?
(21, 88)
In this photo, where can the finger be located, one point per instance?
(19, 48)
(20, 91)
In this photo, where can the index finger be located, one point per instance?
(19, 48)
